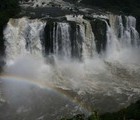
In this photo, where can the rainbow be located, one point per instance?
(46, 85)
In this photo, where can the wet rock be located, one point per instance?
(48, 35)
(99, 28)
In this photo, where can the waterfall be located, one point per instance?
(121, 35)
(77, 37)
(112, 41)
(57, 36)
(84, 41)
(124, 29)
(88, 46)
(61, 39)
(91, 60)
(23, 36)
(73, 38)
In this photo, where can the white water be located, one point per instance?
(112, 76)
(123, 39)
(44, 3)
(89, 48)
(22, 37)
(62, 36)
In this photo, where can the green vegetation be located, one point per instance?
(130, 113)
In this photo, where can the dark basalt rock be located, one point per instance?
(99, 28)
(138, 23)
(73, 38)
(76, 39)
(2, 47)
(48, 37)
(2, 63)
(56, 19)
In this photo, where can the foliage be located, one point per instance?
(94, 116)
(132, 112)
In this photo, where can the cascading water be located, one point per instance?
(88, 40)
(23, 36)
(61, 39)
(121, 36)
(106, 77)
(124, 29)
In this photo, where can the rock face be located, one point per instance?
(99, 28)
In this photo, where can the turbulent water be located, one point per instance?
(84, 65)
